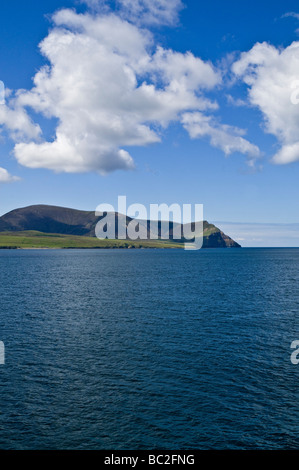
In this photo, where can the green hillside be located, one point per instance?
(34, 239)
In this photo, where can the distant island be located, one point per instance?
(44, 226)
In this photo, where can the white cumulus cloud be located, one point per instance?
(148, 12)
(227, 138)
(272, 76)
(17, 122)
(109, 88)
(6, 177)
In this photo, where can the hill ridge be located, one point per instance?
(67, 221)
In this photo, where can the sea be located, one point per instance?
(149, 349)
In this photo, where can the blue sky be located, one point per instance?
(159, 101)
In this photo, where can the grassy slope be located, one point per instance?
(32, 239)
(209, 229)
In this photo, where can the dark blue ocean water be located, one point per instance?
(149, 349)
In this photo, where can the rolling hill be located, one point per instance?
(42, 220)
